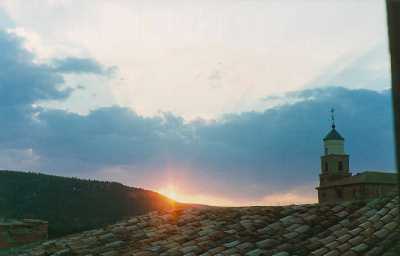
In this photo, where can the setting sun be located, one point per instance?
(176, 193)
(170, 192)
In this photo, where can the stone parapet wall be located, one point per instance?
(20, 232)
(356, 191)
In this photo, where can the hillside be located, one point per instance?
(368, 228)
(72, 205)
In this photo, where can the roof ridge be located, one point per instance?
(333, 135)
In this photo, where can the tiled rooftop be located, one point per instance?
(357, 228)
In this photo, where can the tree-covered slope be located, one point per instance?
(71, 205)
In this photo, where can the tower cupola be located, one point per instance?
(334, 162)
(333, 141)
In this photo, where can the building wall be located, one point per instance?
(334, 168)
(24, 232)
(334, 147)
(354, 192)
(330, 164)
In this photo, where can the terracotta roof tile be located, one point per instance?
(357, 228)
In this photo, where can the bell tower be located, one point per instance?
(334, 162)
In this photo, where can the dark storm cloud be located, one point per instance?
(24, 82)
(81, 66)
(278, 148)
(21, 80)
(259, 151)
(282, 145)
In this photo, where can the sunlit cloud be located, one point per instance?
(305, 195)
(175, 193)
(169, 50)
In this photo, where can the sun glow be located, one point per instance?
(170, 191)
(174, 193)
(291, 197)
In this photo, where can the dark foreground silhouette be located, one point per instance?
(71, 205)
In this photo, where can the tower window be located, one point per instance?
(326, 167)
(340, 167)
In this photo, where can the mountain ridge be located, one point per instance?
(72, 205)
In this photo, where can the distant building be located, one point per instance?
(337, 182)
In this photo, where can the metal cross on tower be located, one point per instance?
(333, 118)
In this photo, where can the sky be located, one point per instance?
(217, 102)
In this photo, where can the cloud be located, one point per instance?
(5, 21)
(368, 70)
(281, 47)
(291, 197)
(23, 81)
(23, 84)
(247, 156)
(81, 66)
